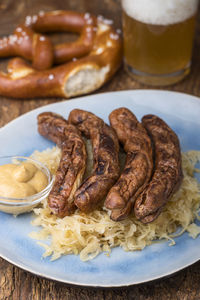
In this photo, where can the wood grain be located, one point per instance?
(18, 284)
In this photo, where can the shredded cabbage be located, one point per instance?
(89, 234)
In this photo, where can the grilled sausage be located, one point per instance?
(72, 164)
(168, 174)
(138, 167)
(105, 158)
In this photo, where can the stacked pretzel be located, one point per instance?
(152, 171)
(81, 66)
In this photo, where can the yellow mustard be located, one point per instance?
(21, 180)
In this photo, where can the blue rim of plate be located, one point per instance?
(122, 269)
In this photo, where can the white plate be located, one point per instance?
(20, 137)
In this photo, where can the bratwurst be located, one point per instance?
(72, 164)
(138, 167)
(105, 157)
(167, 175)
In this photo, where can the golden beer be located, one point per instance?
(158, 54)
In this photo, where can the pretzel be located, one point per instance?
(66, 21)
(26, 43)
(76, 77)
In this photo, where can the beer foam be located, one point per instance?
(160, 12)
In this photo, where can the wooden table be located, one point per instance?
(18, 284)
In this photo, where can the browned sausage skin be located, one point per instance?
(168, 174)
(72, 164)
(105, 157)
(138, 167)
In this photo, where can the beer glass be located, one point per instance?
(158, 39)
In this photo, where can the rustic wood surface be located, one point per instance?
(19, 284)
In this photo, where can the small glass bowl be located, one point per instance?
(21, 205)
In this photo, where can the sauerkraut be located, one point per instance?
(89, 234)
